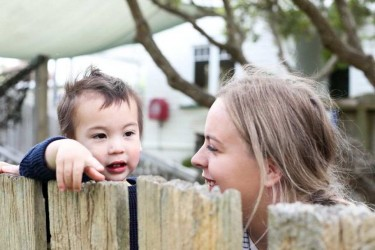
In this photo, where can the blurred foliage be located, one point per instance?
(292, 22)
(187, 162)
(289, 21)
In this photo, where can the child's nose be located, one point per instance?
(116, 146)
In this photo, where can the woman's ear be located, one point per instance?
(273, 174)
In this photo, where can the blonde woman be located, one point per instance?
(272, 139)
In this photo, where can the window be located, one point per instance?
(201, 55)
(339, 83)
(211, 66)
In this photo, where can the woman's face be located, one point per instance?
(225, 159)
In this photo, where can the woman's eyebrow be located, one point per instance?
(212, 138)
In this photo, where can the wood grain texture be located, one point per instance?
(187, 216)
(97, 217)
(22, 216)
(303, 226)
(149, 206)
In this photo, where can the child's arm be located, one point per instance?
(9, 168)
(40, 165)
(70, 159)
(33, 164)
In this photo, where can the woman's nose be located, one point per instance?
(198, 160)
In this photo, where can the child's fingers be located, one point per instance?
(3, 164)
(9, 168)
(77, 176)
(68, 172)
(94, 174)
(60, 175)
(93, 162)
(93, 169)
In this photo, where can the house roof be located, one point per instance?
(66, 28)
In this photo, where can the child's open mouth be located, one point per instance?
(116, 167)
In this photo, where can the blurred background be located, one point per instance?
(176, 54)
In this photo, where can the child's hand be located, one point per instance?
(71, 159)
(9, 168)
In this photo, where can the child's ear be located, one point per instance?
(273, 174)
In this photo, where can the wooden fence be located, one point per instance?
(171, 215)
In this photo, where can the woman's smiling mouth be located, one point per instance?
(211, 183)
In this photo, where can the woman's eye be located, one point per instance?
(211, 148)
(99, 136)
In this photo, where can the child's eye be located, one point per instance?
(99, 136)
(211, 148)
(129, 133)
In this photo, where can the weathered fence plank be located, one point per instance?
(302, 226)
(22, 216)
(95, 218)
(187, 216)
(171, 215)
(149, 199)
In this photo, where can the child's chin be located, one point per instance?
(116, 177)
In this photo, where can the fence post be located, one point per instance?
(41, 106)
(22, 216)
(187, 216)
(303, 226)
(97, 217)
(149, 192)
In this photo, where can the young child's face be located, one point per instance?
(111, 134)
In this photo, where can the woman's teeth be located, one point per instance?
(210, 183)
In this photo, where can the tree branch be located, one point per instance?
(233, 48)
(231, 25)
(326, 69)
(144, 36)
(204, 10)
(189, 19)
(349, 24)
(272, 24)
(235, 35)
(38, 60)
(332, 42)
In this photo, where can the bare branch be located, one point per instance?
(235, 35)
(22, 73)
(332, 42)
(326, 69)
(280, 48)
(272, 24)
(231, 25)
(349, 24)
(191, 20)
(234, 48)
(144, 36)
(204, 10)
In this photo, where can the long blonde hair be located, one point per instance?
(285, 119)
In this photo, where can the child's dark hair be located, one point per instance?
(114, 90)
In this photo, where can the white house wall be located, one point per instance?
(175, 139)
(359, 84)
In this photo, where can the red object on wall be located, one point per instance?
(158, 109)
